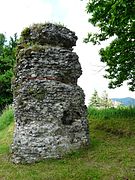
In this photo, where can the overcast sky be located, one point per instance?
(18, 14)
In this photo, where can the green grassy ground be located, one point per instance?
(6, 117)
(111, 156)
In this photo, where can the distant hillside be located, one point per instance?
(128, 101)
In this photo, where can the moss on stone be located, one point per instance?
(38, 94)
(25, 33)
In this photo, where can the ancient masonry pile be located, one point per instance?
(50, 114)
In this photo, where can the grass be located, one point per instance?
(111, 113)
(118, 121)
(6, 118)
(110, 157)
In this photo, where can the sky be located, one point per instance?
(15, 15)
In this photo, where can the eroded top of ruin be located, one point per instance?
(49, 34)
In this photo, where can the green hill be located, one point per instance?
(111, 154)
(128, 101)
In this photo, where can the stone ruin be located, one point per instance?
(50, 115)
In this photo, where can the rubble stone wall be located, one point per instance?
(50, 114)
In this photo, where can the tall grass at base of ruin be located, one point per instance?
(111, 113)
(6, 117)
(116, 121)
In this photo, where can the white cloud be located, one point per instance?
(17, 14)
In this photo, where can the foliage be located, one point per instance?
(7, 60)
(115, 18)
(105, 101)
(100, 102)
(95, 100)
(6, 117)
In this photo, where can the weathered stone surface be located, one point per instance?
(49, 106)
(51, 34)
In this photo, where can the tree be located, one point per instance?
(105, 101)
(100, 102)
(95, 100)
(7, 60)
(115, 18)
